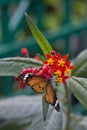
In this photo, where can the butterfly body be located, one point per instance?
(41, 85)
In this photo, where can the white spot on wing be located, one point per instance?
(56, 103)
(25, 77)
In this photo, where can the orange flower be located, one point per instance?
(64, 58)
(67, 71)
(62, 79)
(60, 66)
(51, 60)
(61, 62)
(58, 73)
(59, 80)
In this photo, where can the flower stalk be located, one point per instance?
(68, 97)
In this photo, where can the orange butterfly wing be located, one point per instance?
(38, 84)
(51, 97)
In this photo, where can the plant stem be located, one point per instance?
(68, 96)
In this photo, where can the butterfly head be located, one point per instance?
(24, 77)
(21, 76)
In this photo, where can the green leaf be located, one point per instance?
(79, 88)
(22, 118)
(25, 118)
(13, 66)
(45, 107)
(81, 64)
(41, 40)
(55, 121)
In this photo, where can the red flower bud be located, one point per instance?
(22, 85)
(24, 71)
(35, 70)
(50, 71)
(45, 67)
(48, 76)
(17, 56)
(36, 58)
(53, 52)
(24, 51)
(41, 73)
(29, 70)
(16, 78)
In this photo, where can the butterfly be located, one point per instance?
(41, 85)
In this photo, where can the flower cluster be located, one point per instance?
(44, 71)
(59, 65)
(54, 64)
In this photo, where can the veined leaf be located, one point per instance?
(22, 118)
(32, 117)
(55, 121)
(41, 40)
(79, 88)
(81, 64)
(13, 66)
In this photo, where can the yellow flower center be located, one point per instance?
(61, 62)
(50, 61)
(68, 71)
(60, 80)
(58, 72)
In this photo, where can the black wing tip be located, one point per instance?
(57, 107)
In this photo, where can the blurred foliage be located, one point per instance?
(53, 15)
(50, 16)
